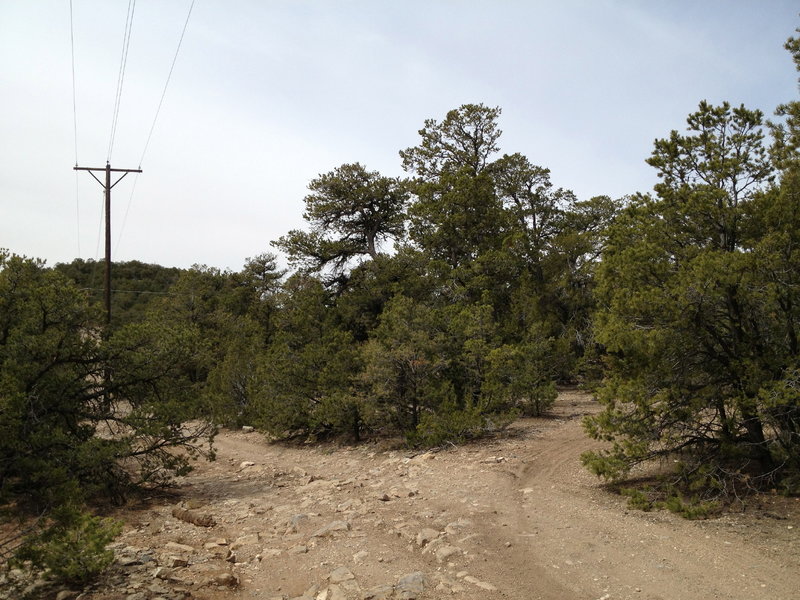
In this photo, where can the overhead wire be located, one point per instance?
(153, 125)
(75, 125)
(126, 41)
(74, 101)
(169, 76)
(127, 210)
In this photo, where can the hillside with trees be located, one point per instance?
(432, 310)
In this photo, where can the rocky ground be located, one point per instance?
(515, 518)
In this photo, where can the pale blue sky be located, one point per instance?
(268, 94)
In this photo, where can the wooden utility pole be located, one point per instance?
(107, 188)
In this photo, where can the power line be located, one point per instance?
(127, 210)
(115, 120)
(153, 125)
(74, 102)
(126, 41)
(169, 76)
(75, 123)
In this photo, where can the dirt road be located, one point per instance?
(515, 518)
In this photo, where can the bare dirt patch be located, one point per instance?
(516, 518)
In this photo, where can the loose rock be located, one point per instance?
(195, 518)
(176, 547)
(331, 528)
(381, 592)
(411, 586)
(340, 574)
(446, 551)
(426, 536)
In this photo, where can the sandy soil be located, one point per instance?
(515, 518)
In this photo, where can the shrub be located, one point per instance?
(73, 547)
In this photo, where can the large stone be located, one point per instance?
(246, 540)
(296, 523)
(323, 595)
(162, 573)
(331, 528)
(457, 527)
(426, 536)
(336, 592)
(158, 588)
(193, 517)
(224, 579)
(128, 561)
(411, 586)
(246, 548)
(381, 592)
(446, 551)
(176, 562)
(176, 547)
(340, 575)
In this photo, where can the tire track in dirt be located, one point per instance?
(599, 549)
(523, 518)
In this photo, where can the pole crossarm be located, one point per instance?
(103, 169)
(107, 189)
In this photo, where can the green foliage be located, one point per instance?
(456, 214)
(404, 361)
(373, 283)
(86, 413)
(786, 133)
(465, 139)
(307, 371)
(475, 316)
(637, 499)
(73, 547)
(698, 315)
(297, 387)
(231, 379)
(692, 509)
(351, 212)
(48, 363)
(450, 424)
(520, 376)
(135, 285)
(457, 218)
(155, 416)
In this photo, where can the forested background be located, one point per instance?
(434, 309)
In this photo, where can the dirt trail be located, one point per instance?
(515, 518)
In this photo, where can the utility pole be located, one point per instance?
(107, 188)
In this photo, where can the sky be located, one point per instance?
(266, 95)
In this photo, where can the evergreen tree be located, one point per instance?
(84, 416)
(351, 211)
(456, 215)
(696, 316)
